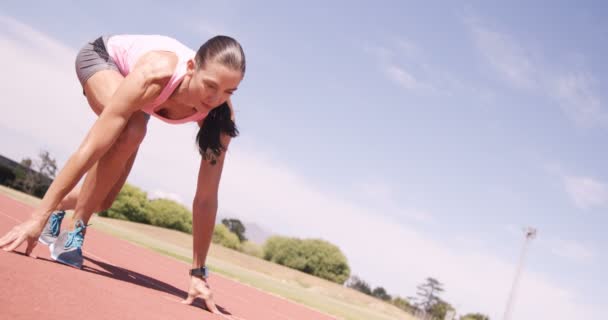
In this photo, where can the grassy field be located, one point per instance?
(316, 293)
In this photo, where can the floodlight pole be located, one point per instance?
(530, 234)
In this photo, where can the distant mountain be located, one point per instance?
(253, 231)
(256, 233)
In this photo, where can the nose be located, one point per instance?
(214, 100)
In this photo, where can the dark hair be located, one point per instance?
(228, 52)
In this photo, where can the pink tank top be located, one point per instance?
(125, 50)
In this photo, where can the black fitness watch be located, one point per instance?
(201, 272)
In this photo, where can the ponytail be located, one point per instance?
(218, 121)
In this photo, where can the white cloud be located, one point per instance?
(573, 90)
(405, 79)
(159, 194)
(406, 64)
(509, 58)
(42, 99)
(409, 48)
(394, 72)
(259, 188)
(209, 29)
(418, 215)
(586, 192)
(573, 251)
(380, 197)
(576, 95)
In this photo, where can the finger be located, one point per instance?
(8, 238)
(211, 305)
(31, 244)
(15, 244)
(8, 241)
(189, 299)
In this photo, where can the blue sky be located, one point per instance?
(454, 124)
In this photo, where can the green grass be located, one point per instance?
(313, 292)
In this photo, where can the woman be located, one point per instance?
(126, 79)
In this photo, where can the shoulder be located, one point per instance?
(157, 66)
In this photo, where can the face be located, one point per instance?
(212, 85)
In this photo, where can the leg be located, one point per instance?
(69, 202)
(110, 169)
(111, 196)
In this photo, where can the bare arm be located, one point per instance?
(140, 87)
(204, 207)
(204, 212)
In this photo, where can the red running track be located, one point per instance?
(119, 280)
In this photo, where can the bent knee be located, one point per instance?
(106, 205)
(134, 133)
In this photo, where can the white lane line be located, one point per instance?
(10, 217)
(89, 253)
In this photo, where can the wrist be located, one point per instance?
(39, 219)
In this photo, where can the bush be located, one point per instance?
(402, 304)
(313, 256)
(252, 249)
(169, 214)
(223, 237)
(359, 284)
(130, 204)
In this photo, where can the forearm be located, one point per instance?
(76, 166)
(95, 145)
(203, 222)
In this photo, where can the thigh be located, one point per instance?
(100, 87)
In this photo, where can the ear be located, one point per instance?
(191, 66)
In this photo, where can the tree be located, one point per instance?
(427, 293)
(358, 284)
(24, 176)
(131, 204)
(313, 256)
(169, 214)
(439, 309)
(225, 238)
(474, 316)
(402, 304)
(381, 294)
(34, 176)
(47, 165)
(235, 226)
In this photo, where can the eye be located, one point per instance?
(209, 85)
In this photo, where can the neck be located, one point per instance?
(179, 94)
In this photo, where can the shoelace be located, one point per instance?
(55, 223)
(76, 237)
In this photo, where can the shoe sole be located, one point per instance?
(44, 242)
(54, 257)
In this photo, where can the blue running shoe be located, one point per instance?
(67, 248)
(52, 228)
